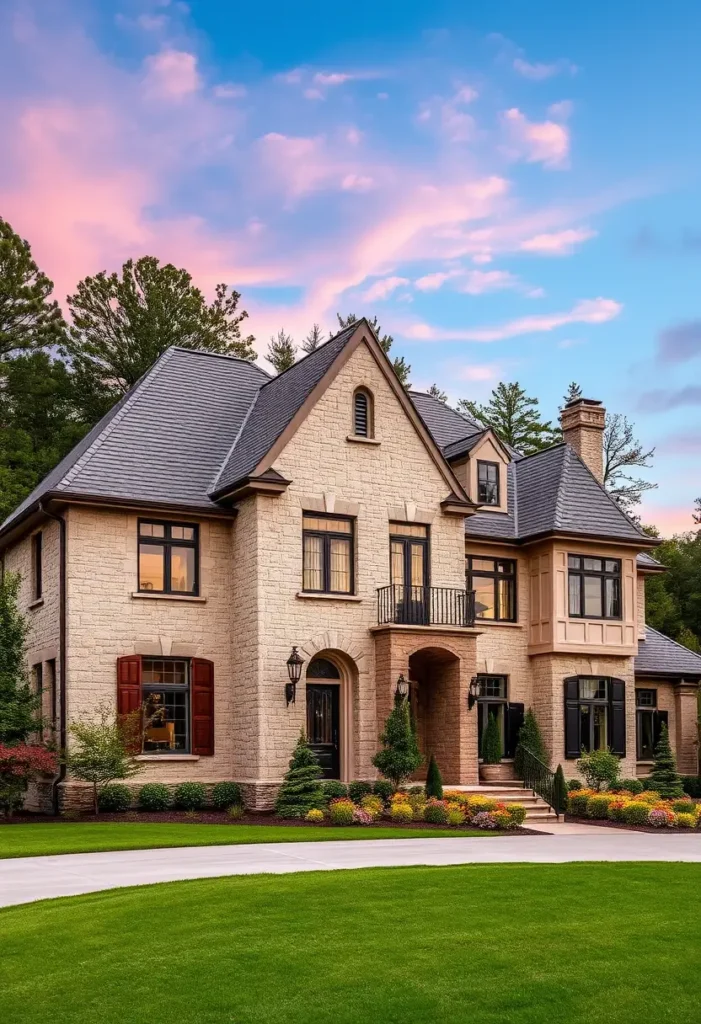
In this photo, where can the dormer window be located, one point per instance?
(488, 483)
(363, 419)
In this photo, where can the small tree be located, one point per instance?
(400, 756)
(301, 789)
(491, 745)
(600, 768)
(664, 777)
(18, 705)
(435, 392)
(102, 749)
(529, 737)
(312, 340)
(19, 765)
(559, 791)
(281, 352)
(434, 780)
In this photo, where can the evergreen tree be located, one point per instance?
(123, 323)
(434, 780)
(312, 340)
(28, 319)
(400, 756)
(696, 514)
(19, 707)
(529, 737)
(664, 777)
(673, 598)
(559, 791)
(281, 352)
(301, 789)
(514, 417)
(435, 392)
(399, 364)
(491, 745)
(572, 394)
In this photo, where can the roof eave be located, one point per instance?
(270, 485)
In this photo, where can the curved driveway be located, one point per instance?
(34, 878)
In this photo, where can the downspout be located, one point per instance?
(61, 651)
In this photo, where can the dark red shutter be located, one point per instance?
(202, 707)
(572, 717)
(129, 690)
(618, 717)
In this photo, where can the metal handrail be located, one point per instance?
(425, 606)
(538, 777)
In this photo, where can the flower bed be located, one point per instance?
(634, 810)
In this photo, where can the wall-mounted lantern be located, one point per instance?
(402, 690)
(473, 693)
(294, 671)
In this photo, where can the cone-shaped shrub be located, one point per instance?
(664, 777)
(560, 791)
(530, 738)
(400, 756)
(301, 789)
(434, 780)
(491, 747)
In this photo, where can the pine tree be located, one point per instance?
(574, 392)
(664, 777)
(491, 745)
(514, 417)
(529, 737)
(281, 352)
(434, 780)
(18, 705)
(400, 756)
(312, 340)
(435, 392)
(301, 789)
(27, 318)
(399, 364)
(559, 791)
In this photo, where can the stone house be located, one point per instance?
(218, 519)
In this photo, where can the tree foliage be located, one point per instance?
(312, 340)
(673, 598)
(623, 452)
(435, 392)
(664, 777)
(19, 707)
(530, 738)
(434, 779)
(101, 749)
(491, 744)
(399, 363)
(573, 392)
(514, 417)
(281, 352)
(28, 318)
(301, 788)
(600, 768)
(400, 755)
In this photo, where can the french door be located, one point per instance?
(323, 727)
(409, 572)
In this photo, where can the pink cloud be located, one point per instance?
(357, 182)
(303, 165)
(557, 243)
(539, 72)
(229, 91)
(543, 142)
(432, 282)
(477, 282)
(384, 288)
(171, 75)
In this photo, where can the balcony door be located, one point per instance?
(409, 572)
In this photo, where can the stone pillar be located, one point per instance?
(583, 422)
(686, 716)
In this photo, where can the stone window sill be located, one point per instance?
(167, 757)
(36, 604)
(491, 622)
(304, 596)
(357, 439)
(143, 595)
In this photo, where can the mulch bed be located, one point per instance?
(605, 823)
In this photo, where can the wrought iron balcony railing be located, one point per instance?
(425, 606)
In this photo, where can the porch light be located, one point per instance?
(402, 691)
(294, 671)
(473, 693)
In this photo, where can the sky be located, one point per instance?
(513, 189)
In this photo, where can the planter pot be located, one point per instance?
(496, 772)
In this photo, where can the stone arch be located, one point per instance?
(348, 684)
(439, 704)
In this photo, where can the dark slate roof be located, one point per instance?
(277, 402)
(166, 439)
(658, 655)
(462, 446)
(445, 424)
(650, 564)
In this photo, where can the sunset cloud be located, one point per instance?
(171, 75)
(557, 243)
(383, 289)
(545, 142)
(539, 72)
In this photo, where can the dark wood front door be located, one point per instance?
(323, 727)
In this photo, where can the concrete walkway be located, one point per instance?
(34, 878)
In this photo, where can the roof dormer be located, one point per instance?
(480, 463)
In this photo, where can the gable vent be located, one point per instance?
(360, 414)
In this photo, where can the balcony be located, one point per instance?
(425, 606)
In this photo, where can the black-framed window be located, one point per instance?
(594, 587)
(648, 723)
(37, 566)
(168, 557)
(165, 685)
(487, 483)
(38, 687)
(363, 413)
(494, 583)
(595, 715)
(327, 543)
(493, 700)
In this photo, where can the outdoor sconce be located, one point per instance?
(473, 693)
(294, 671)
(402, 691)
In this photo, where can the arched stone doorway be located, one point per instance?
(330, 685)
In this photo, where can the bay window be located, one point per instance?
(594, 587)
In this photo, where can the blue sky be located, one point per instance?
(512, 188)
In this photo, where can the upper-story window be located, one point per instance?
(327, 554)
(488, 483)
(494, 583)
(594, 587)
(168, 557)
(363, 413)
(37, 566)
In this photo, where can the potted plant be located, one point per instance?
(491, 769)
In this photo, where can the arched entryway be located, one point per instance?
(439, 708)
(329, 712)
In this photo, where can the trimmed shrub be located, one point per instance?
(314, 815)
(502, 819)
(301, 789)
(400, 755)
(114, 798)
(600, 768)
(660, 817)
(598, 805)
(225, 795)
(633, 786)
(235, 812)
(684, 806)
(332, 789)
(484, 819)
(434, 780)
(560, 791)
(384, 789)
(154, 796)
(436, 812)
(685, 820)
(373, 805)
(616, 808)
(456, 814)
(361, 817)
(573, 784)
(341, 811)
(491, 745)
(190, 796)
(517, 813)
(476, 804)
(664, 776)
(401, 813)
(529, 737)
(577, 802)
(692, 786)
(636, 812)
(357, 790)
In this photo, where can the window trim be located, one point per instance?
(37, 565)
(167, 543)
(326, 536)
(496, 465)
(602, 575)
(146, 688)
(395, 533)
(470, 573)
(369, 413)
(611, 704)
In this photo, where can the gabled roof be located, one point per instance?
(445, 423)
(658, 655)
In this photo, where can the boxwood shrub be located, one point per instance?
(357, 790)
(597, 806)
(191, 796)
(154, 796)
(692, 786)
(633, 786)
(384, 789)
(577, 803)
(225, 795)
(333, 789)
(114, 797)
(636, 813)
(436, 812)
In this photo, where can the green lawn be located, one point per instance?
(484, 944)
(38, 840)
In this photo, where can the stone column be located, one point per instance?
(686, 715)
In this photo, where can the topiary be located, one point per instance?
(664, 776)
(301, 789)
(384, 789)
(436, 812)
(333, 789)
(636, 813)
(573, 784)
(434, 780)
(400, 755)
(559, 791)
(491, 745)
(154, 796)
(190, 796)
(114, 798)
(226, 794)
(529, 737)
(357, 790)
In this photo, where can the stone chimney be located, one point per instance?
(582, 423)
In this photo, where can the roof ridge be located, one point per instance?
(559, 496)
(603, 490)
(215, 481)
(682, 647)
(541, 451)
(217, 355)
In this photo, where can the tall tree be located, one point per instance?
(28, 319)
(622, 452)
(399, 363)
(573, 393)
(515, 418)
(19, 707)
(312, 340)
(435, 392)
(673, 598)
(696, 514)
(281, 352)
(123, 322)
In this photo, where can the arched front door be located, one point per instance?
(323, 715)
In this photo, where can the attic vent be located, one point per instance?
(362, 414)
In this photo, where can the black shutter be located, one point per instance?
(618, 717)
(659, 719)
(513, 723)
(572, 744)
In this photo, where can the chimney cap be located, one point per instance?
(582, 401)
